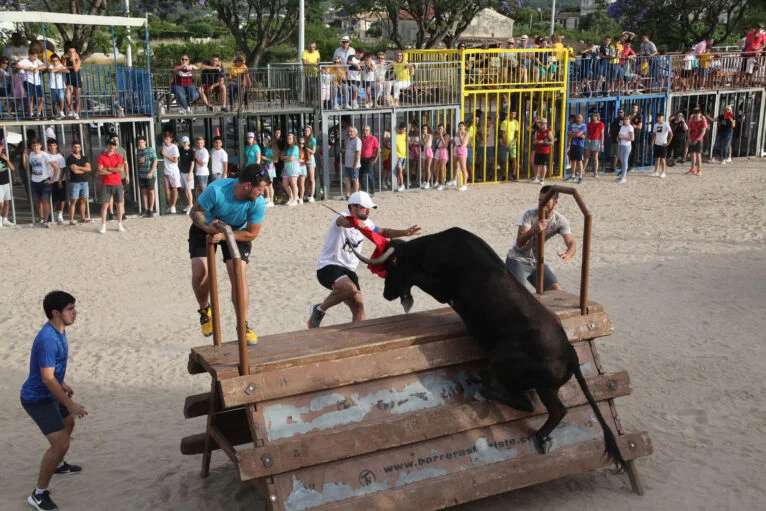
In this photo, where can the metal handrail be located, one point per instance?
(239, 292)
(587, 230)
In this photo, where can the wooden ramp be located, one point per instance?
(385, 414)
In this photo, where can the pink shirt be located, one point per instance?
(369, 146)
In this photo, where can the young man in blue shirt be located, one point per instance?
(238, 203)
(578, 131)
(47, 399)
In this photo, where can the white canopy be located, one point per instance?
(71, 19)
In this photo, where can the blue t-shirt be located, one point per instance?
(295, 152)
(50, 349)
(582, 128)
(219, 203)
(251, 154)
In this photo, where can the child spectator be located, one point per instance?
(219, 160)
(401, 156)
(146, 158)
(43, 173)
(201, 170)
(170, 155)
(79, 170)
(57, 86)
(6, 168)
(186, 156)
(326, 84)
(60, 185)
(33, 82)
(268, 165)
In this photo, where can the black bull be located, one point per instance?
(525, 342)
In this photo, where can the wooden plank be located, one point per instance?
(579, 328)
(432, 495)
(196, 405)
(387, 430)
(231, 424)
(223, 443)
(455, 454)
(350, 339)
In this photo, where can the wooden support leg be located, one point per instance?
(635, 480)
(207, 453)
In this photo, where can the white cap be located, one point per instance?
(525, 36)
(184, 139)
(363, 199)
(344, 38)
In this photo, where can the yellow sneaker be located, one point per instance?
(206, 321)
(252, 339)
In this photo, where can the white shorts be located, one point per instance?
(173, 179)
(186, 183)
(5, 192)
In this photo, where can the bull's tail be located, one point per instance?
(612, 450)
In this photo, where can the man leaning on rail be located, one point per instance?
(238, 203)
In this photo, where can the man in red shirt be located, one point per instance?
(755, 42)
(369, 157)
(543, 143)
(110, 166)
(697, 130)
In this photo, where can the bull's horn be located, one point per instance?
(378, 260)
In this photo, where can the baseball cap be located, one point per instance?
(543, 119)
(510, 40)
(363, 199)
(250, 134)
(525, 37)
(184, 139)
(344, 39)
(111, 141)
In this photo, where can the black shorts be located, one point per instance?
(575, 153)
(541, 158)
(660, 151)
(48, 414)
(198, 245)
(695, 148)
(59, 194)
(147, 184)
(330, 274)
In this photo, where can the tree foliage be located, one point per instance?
(257, 25)
(679, 24)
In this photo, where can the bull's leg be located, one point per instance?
(493, 390)
(556, 412)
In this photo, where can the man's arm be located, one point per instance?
(47, 374)
(670, 138)
(527, 232)
(197, 215)
(398, 233)
(226, 167)
(153, 170)
(571, 248)
(249, 233)
(56, 172)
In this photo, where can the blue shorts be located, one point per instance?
(401, 163)
(523, 270)
(78, 190)
(201, 180)
(502, 151)
(58, 95)
(48, 414)
(34, 91)
(349, 173)
(41, 190)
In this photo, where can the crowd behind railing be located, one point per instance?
(38, 83)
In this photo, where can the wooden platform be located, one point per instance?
(386, 414)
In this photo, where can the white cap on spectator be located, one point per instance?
(184, 139)
(543, 120)
(510, 40)
(524, 37)
(363, 199)
(250, 134)
(344, 39)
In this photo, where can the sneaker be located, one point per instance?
(728, 160)
(252, 339)
(570, 178)
(60, 218)
(310, 200)
(150, 214)
(269, 204)
(46, 224)
(206, 321)
(292, 203)
(400, 189)
(463, 188)
(654, 174)
(173, 210)
(61, 116)
(42, 501)
(316, 316)
(300, 201)
(102, 229)
(690, 172)
(698, 172)
(622, 180)
(534, 180)
(452, 183)
(71, 115)
(541, 182)
(76, 115)
(662, 175)
(7, 223)
(440, 187)
(187, 209)
(426, 186)
(120, 227)
(579, 181)
(67, 469)
(723, 162)
(110, 216)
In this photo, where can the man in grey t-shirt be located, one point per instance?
(521, 259)
(352, 161)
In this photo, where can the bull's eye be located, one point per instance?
(393, 260)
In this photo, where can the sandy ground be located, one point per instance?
(679, 264)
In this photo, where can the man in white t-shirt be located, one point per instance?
(336, 268)
(352, 149)
(58, 192)
(43, 172)
(201, 170)
(661, 137)
(522, 257)
(170, 155)
(33, 81)
(219, 160)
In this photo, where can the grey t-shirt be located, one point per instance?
(352, 146)
(557, 224)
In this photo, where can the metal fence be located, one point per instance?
(589, 77)
(716, 71)
(94, 92)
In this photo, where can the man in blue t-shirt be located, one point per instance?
(47, 399)
(238, 203)
(577, 131)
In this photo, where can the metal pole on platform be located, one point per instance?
(301, 29)
(553, 16)
(129, 52)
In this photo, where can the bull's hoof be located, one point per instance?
(544, 445)
(407, 303)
